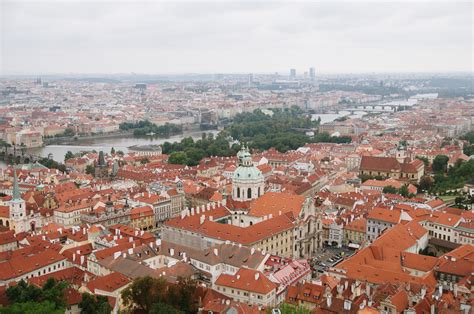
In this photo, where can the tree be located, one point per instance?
(69, 132)
(163, 308)
(144, 161)
(403, 191)
(27, 298)
(178, 158)
(120, 153)
(364, 177)
(23, 292)
(468, 150)
(469, 137)
(194, 155)
(144, 292)
(30, 307)
(286, 308)
(181, 295)
(91, 304)
(440, 163)
(390, 189)
(426, 183)
(68, 155)
(112, 151)
(90, 169)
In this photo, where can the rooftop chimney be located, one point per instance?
(257, 275)
(329, 301)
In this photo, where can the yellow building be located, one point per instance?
(355, 231)
(142, 218)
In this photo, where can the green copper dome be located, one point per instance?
(247, 173)
(246, 170)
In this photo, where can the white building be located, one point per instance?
(248, 182)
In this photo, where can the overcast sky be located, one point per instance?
(41, 37)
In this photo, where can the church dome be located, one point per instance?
(248, 182)
(247, 173)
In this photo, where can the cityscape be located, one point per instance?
(191, 175)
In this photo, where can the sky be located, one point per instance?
(177, 37)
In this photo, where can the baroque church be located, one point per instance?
(22, 220)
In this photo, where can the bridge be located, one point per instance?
(19, 156)
(392, 106)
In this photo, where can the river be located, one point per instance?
(106, 144)
(123, 143)
(329, 117)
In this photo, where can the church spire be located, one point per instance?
(16, 188)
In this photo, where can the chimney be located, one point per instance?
(208, 206)
(257, 275)
(347, 304)
(82, 259)
(329, 301)
(198, 210)
(211, 218)
(224, 202)
(130, 251)
(216, 252)
(192, 211)
(73, 257)
(252, 251)
(172, 252)
(227, 302)
(238, 277)
(124, 255)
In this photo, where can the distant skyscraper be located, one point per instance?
(250, 79)
(305, 75)
(312, 74)
(292, 74)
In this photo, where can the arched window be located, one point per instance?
(249, 193)
(1, 222)
(238, 192)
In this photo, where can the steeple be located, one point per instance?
(16, 188)
(101, 159)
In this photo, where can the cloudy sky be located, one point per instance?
(41, 37)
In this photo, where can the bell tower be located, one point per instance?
(17, 208)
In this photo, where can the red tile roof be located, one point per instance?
(248, 280)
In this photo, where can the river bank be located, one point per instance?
(119, 143)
